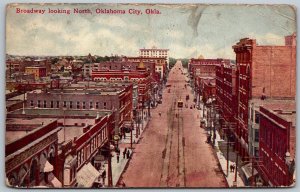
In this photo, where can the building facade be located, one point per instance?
(277, 144)
(258, 69)
(92, 98)
(155, 52)
(37, 71)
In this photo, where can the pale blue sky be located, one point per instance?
(187, 30)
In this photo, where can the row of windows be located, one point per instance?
(95, 143)
(274, 171)
(70, 104)
(118, 79)
(272, 139)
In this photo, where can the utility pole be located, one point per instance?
(131, 134)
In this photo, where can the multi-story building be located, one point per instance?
(155, 52)
(226, 96)
(277, 144)
(31, 152)
(140, 77)
(117, 99)
(259, 69)
(160, 63)
(56, 147)
(30, 62)
(204, 67)
(38, 71)
(201, 69)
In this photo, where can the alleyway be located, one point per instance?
(172, 151)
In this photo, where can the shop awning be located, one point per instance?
(247, 169)
(87, 175)
(54, 181)
(99, 159)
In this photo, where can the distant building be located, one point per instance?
(160, 63)
(226, 97)
(37, 71)
(155, 52)
(201, 69)
(139, 76)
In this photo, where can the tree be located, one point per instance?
(185, 62)
(172, 62)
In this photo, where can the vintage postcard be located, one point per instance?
(150, 96)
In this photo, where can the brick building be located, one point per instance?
(226, 95)
(204, 67)
(30, 62)
(277, 144)
(209, 88)
(38, 71)
(140, 77)
(31, 152)
(201, 69)
(160, 64)
(259, 69)
(80, 136)
(97, 98)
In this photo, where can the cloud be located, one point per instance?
(268, 39)
(187, 31)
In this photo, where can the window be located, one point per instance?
(91, 104)
(57, 104)
(257, 117)
(83, 105)
(97, 105)
(78, 104)
(51, 104)
(71, 104)
(45, 104)
(104, 105)
(31, 103)
(65, 104)
(256, 136)
(39, 103)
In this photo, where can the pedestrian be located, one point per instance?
(128, 154)
(118, 158)
(124, 153)
(103, 176)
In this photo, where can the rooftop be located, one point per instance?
(61, 112)
(85, 91)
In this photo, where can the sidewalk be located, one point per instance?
(220, 148)
(221, 152)
(135, 137)
(118, 168)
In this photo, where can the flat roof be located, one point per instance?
(11, 136)
(69, 132)
(286, 111)
(29, 121)
(61, 112)
(84, 91)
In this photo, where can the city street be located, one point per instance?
(172, 151)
